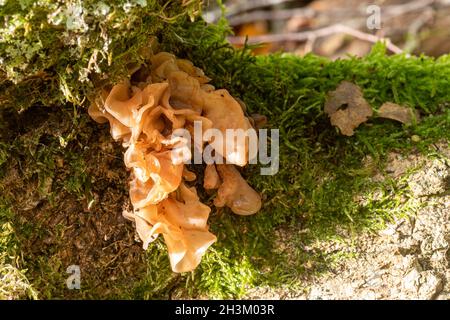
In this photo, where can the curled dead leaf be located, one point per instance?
(347, 107)
(258, 121)
(393, 111)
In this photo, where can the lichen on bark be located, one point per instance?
(56, 52)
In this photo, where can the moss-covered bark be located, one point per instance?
(54, 52)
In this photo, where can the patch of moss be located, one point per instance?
(321, 172)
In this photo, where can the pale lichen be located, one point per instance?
(61, 48)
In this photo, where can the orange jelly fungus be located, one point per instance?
(142, 116)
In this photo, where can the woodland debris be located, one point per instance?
(347, 107)
(405, 115)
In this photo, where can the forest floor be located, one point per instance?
(408, 259)
(407, 256)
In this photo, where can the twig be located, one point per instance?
(312, 34)
(414, 28)
(401, 9)
(284, 14)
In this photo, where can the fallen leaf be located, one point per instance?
(399, 113)
(347, 107)
(257, 28)
(258, 121)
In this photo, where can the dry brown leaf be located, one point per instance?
(393, 111)
(256, 28)
(258, 121)
(347, 107)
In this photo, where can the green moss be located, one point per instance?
(54, 52)
(14, 282)
(158, 280)
(321, 172)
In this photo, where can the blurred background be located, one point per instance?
(336, 28)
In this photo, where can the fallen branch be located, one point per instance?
(314, 34)
(235, 17)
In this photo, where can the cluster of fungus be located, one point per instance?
(142, 114)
